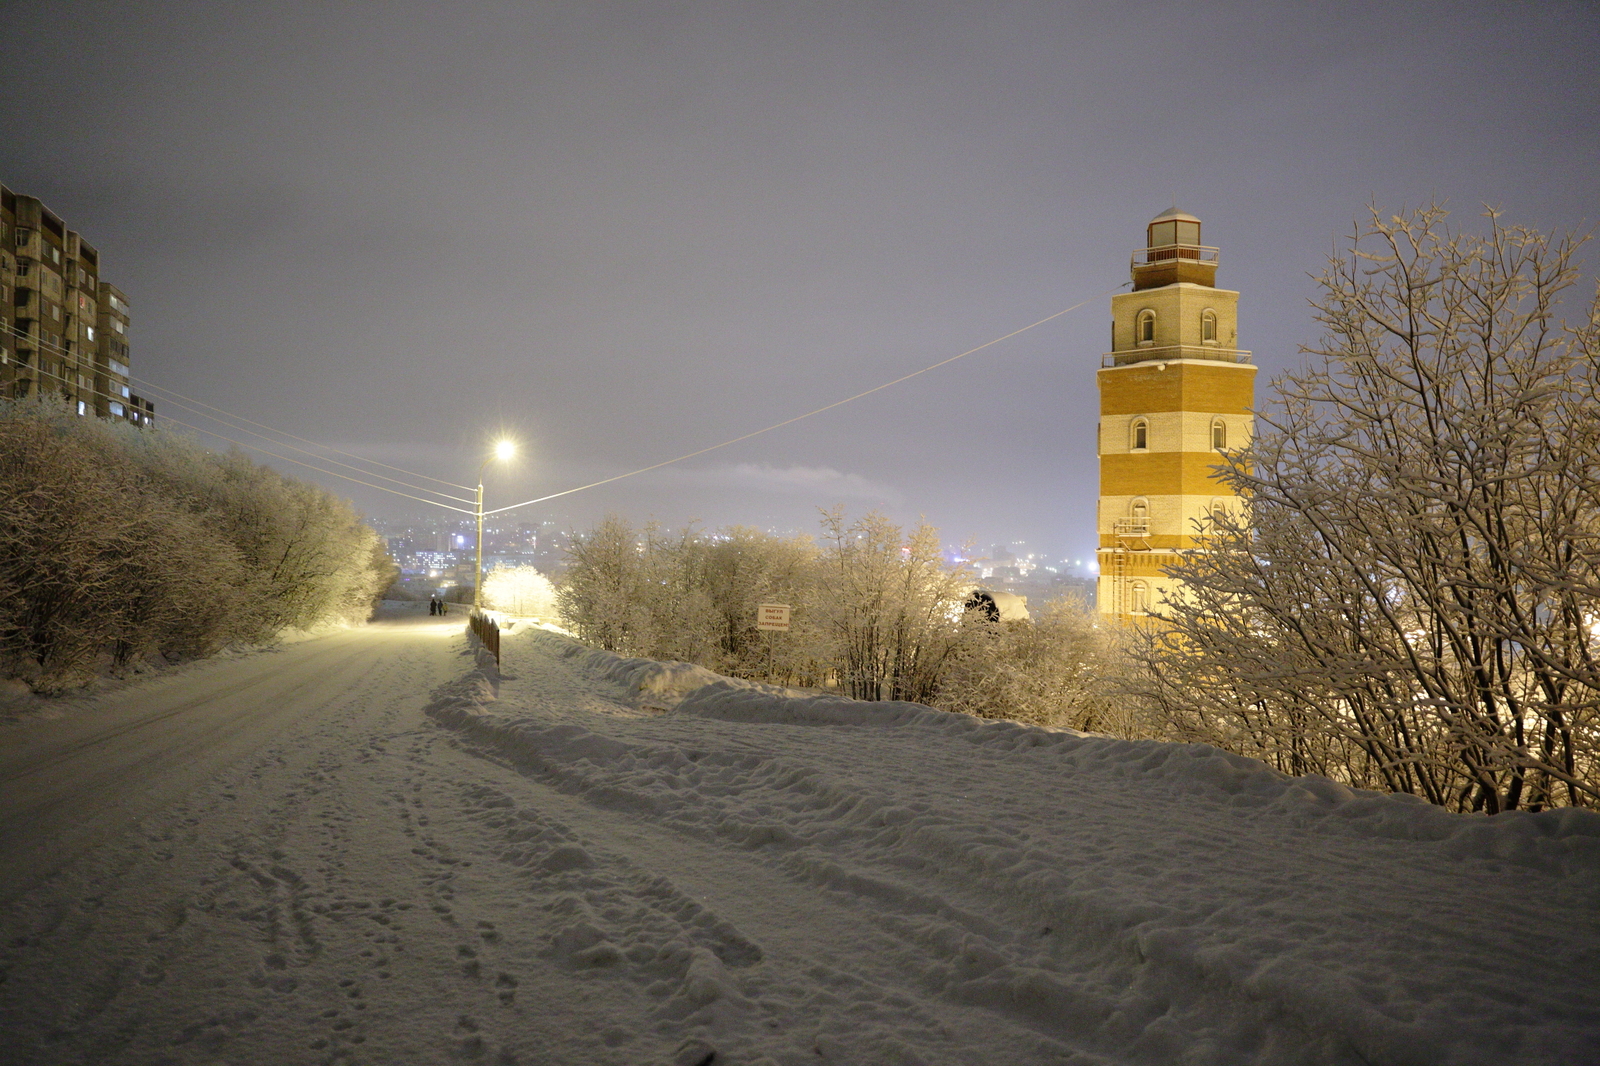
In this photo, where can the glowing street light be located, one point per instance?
(503, 450)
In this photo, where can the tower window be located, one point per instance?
(1139, 509)
(1145, 328)
(1219, 434)
(1208, 327)
(1139, 598)
(1140, 438)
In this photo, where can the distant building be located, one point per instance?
(63, 330)
(1175, 391)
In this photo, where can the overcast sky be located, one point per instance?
(625, 231)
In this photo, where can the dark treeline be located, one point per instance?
(119, 543)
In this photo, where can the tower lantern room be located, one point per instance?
(1175, 392)
(1173, 253)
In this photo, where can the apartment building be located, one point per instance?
(63, 329)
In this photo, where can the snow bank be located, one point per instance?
(1144, 901)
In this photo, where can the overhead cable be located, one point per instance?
(799, 418)
(371, 462)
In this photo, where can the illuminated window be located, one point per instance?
(1145, 328)
(1208, 327)
(1140, 438)
(1219, 434)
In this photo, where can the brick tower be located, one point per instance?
(1175, 390)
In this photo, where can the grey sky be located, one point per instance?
(625, 231)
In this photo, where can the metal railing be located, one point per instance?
(1131, 527)
(1173, 352)
(1166, 253)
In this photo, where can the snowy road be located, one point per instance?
(355, 849)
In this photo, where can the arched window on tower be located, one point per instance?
(1139, 598)
(1145, 328)
(1217, 513)
(1139, 435)
(1219, 434)
(1139, 509)
(1208, 327)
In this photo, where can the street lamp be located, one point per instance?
(503, 450)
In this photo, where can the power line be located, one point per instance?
(553, 495)
(288, 459)
(808, 414)
(61, 351)
(314, 455)
(291, 436)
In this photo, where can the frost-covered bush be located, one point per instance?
(118, 542)
(874, 609)
(1050, 670)
(520, 590)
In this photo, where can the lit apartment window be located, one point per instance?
(89, 330)
(116, 408)
(83, 408)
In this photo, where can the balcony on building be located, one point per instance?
(1171, 353)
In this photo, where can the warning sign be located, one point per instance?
(773, 616)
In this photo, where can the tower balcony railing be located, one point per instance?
(1173, 352)
(1130, 527)
(1166, 253)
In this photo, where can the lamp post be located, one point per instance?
(503, 450)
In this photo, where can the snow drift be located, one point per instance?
(1121, 901)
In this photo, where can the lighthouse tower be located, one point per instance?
(1175, 390)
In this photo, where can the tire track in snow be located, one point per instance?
(892, 947)
(1069, 907)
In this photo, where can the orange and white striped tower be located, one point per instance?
(1175, 390)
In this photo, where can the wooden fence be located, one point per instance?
(487, 630)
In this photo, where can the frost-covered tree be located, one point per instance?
(890, 606)
(602, 596)
(520, 590)
(745, 568)
(118, 542)
(1413, 604)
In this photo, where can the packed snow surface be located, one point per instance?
(386, 850)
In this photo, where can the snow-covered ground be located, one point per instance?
(399, 858)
